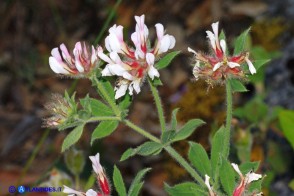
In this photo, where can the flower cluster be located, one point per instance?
(240, 189)
(81, 62)
(216, 68)
(133, 64)
(102, 181)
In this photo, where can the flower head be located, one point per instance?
(217, 67)
(83, 60)
(245, 180)
(61, 110)
(101, 177)
(133, 64)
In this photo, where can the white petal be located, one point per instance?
(127, 76)
(104, 57)
(56, 54)
(71, 191)
(159, 31)
(121, 91)
(150, 59)
(236, 168)
(93, 56)
(251, 66)
(172, 41)
(233, 64)
(107, 44)
(215, 28)
(115, 57)
(223, 45)
(65, 53)
(136, 85)
(91, 192)
(191, 50)
(253, 177)
(96, 163)
(79, 65)
(153, 72)
(212, 39)
(56, 66)
(135, 39)
(114, 43)
(106, 71)
(116, 69)
(216, 66)
(164, 44)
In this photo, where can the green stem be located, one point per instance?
(158, 105)
(185, 164)
(107, 21)
(141, 131)
(77, 181)
(170, 150)
(33, 156)
(228, 120)
(106, 96)
(101, 118)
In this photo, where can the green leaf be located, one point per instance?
(248, 166)
(72, 137)
(136, 184)
(168, 136)
(108, 87)
(100, 109)
(255, 186)
(286, 119)
(118, 182)
(174, 119)
(227, 177)
(240, 42)
(128, 153)
(185, 189)
(149, 148)
(157, 82)
(199, 158)
(259, 63)
(104, 129)
(75, 161)
(125, 101)
(165, 61)
(188, 129)
(237, 86)
(217, 150)
(255, 110)
(136, 189)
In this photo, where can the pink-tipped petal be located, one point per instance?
(56, 66)
(56, 54)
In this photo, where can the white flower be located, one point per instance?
(245, 180)
(133, 64)
(82, 61)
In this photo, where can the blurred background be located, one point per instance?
(263, 123)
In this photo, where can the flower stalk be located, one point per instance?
(229, 112)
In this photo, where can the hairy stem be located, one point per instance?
(170, 150)
(228, 119)
(101, 118)
(158, 105)
(141, 131)
(184, 164)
